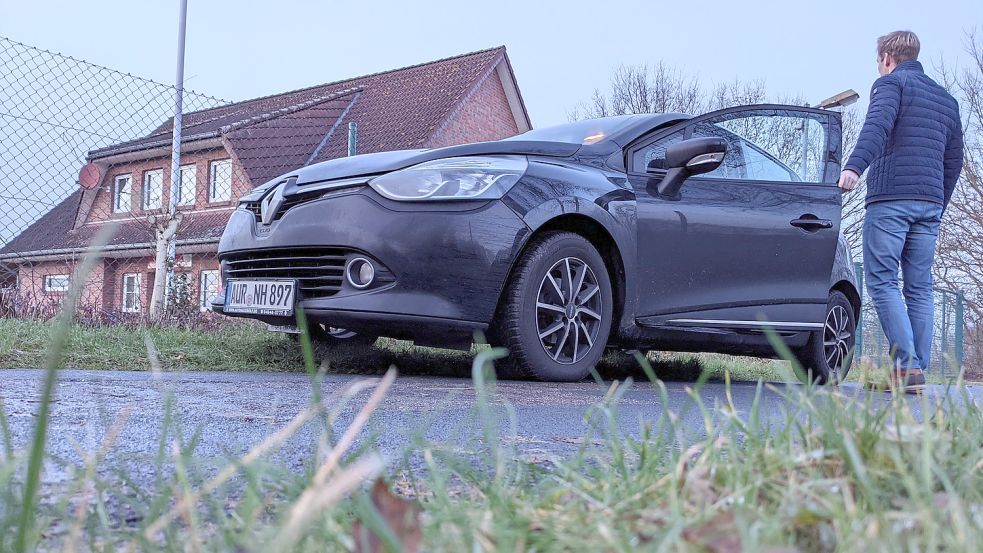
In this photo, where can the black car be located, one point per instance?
(655, 231)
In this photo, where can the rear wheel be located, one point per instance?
(826, 359)
(555, 313)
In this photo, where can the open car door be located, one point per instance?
(752, 242)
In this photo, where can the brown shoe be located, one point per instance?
(909, 381)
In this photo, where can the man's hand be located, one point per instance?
(848, 180)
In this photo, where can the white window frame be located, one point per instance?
(150, 201)
(205, 293)
(189, 185)
(122, 199)
(126, 307)
(49, 287)
(214, 193)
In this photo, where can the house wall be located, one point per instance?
(30, 280)
(102, 208)
(103, 290)
(485, 115)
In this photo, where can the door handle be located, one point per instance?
(811, 223)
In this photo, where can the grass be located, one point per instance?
(248, 347)
(833, 472)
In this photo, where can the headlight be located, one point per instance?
(457, 178)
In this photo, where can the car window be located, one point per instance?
(773, 147)
(761, 166)
(734, 165)
(777, 146)
(656, 150)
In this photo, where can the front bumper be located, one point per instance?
(448, 264)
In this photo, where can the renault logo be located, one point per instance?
(271, 204)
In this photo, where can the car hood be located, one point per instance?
(385, 162)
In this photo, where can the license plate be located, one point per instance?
(260, 297)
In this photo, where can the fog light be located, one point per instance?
(360, 272)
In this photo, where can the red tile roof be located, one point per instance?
(396, 109)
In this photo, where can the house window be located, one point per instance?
(121, 193)
(209, 288)
(131, 293)
(189, 185)
(153, 189)
(56, 283)
(220, 181)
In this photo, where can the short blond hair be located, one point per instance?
(901, 45)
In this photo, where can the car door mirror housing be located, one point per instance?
(697, 155)
(684, 159)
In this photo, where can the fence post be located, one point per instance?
(945, 324)
(352, 138)
(858, 347)
(960, 323)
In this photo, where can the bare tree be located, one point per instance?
(640, 89)
(960, 249)
(853, 202)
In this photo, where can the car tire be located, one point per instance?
(827, 358)
(551, 334)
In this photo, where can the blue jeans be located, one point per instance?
(902, 234)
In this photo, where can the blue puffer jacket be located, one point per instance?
(911, 141)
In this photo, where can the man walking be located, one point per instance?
(911, 146)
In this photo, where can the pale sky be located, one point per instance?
(560, 51)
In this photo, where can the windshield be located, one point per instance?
(589, 131)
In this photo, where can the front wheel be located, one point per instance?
(555, 313)
(827, 358)
(330, 336)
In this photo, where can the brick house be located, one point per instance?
(228, 150)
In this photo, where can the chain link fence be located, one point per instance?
(83, 145)
(948, 337)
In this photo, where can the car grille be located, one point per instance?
(254, 207)
(319, 271)
(292, 201)
(298, 199)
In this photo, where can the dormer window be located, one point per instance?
(122, 190)
(153, 189)
(220, 181)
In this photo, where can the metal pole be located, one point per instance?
(352, 138)
(858, 347)
(176, 142)
(945, 325)
(805, 148)
(960, 323)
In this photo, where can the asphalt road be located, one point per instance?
(234, 411)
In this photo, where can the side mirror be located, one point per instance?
(687, 158)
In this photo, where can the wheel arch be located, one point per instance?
(850, 291)
(601, 238)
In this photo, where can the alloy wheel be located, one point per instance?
(339, 333)
(836, 340)
(568, 310)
